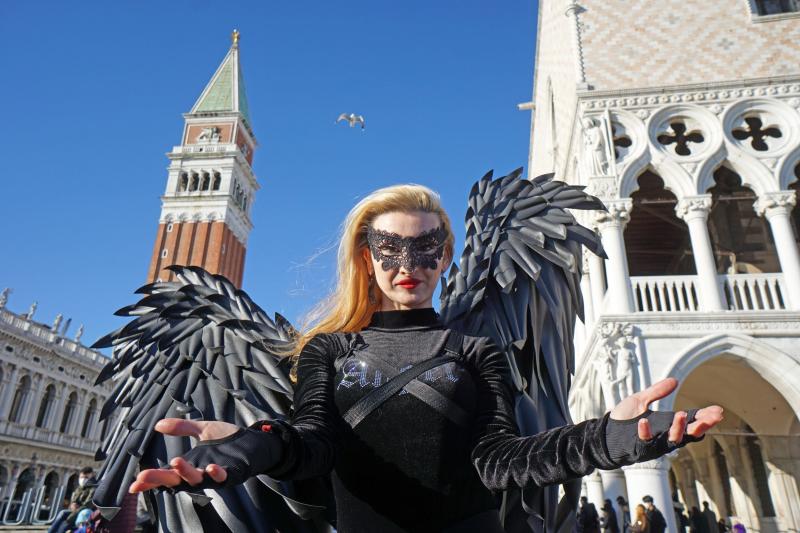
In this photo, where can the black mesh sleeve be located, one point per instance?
(314, 435)
(503, 458)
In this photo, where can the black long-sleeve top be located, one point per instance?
(407, 467)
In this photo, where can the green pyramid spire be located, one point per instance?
(225, 92)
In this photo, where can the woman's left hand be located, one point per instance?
(638, 404)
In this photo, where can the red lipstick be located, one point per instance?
(408, 283)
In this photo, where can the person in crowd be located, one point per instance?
(625, 513)
(81, 499)
(738, 527)
(710, 516)
(655, 519)
(608, 520)
(722, 526)
(640, 523)
(588, 519)
(697, 522)
(681, 520)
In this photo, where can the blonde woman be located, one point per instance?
(640, 523)
(407, 466)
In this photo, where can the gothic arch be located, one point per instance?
(786, 168)
(752, 172)
(775, 366)
(676, 179)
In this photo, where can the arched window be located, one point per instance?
(195, 182)
(206, 181)
(20, 399)
(741, 239)
(72, 484)
(88, 420)
(183, 184)
(653, 213)
(50, 488)
(69, 411)
(24, 482)
(46, 406)
(217, 181)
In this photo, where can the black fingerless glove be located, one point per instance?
(246, 453)
(625, 447)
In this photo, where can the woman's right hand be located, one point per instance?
(181, 470)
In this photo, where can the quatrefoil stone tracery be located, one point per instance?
(758, 134)
(680, 136)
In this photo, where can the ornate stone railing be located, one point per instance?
(46, 336)
(205, 148)
(664, 294)
(47, 436)
(740, 292)
(754, 292)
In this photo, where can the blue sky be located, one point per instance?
(92, 99)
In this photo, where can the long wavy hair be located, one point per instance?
(348, 307)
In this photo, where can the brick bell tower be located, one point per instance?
(205, 210)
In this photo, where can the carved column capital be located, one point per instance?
(691, 207)
(617, 214)
(775, 203)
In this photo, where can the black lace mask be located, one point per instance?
(393, 251)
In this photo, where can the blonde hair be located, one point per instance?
(348, 308)
(641, 516)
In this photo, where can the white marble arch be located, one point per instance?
(778, 368)
(753, 173)
(786, 166)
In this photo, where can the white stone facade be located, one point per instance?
(49, 415)
(688, 94)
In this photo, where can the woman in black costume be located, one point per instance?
(412, 465)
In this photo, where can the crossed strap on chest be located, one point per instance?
(408, 379)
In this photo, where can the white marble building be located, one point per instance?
(49, 413)
(683, 117)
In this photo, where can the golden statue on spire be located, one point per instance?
(235, 37)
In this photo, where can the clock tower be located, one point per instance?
(205, 210)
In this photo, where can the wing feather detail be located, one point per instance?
(197, 348)
(518, 282)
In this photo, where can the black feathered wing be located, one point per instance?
(518, 282)
(197, 348)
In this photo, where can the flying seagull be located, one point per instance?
(352, 119)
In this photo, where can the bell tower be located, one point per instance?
(205, 210)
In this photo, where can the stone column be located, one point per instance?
(13, 478)
(597, 284)
(586, 293)
(55, 423)
(694, 210)
(611, 224)
(651, 478)
(34, 397)
(777, 207)
(594, 489)
(9, 388)
(614, 486)
(76, 423)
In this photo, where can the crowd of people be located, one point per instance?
(647, 518)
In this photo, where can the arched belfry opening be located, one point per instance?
(656, 240)
(741, 239)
